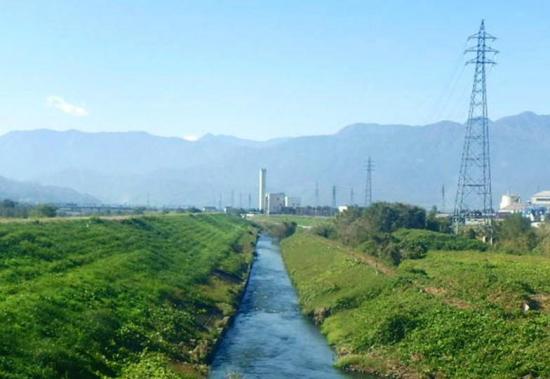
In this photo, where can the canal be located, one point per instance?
(270, 338)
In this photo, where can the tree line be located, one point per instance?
(397, 231)
(14, 209)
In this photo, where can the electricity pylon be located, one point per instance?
(368, 184)
(474, 197)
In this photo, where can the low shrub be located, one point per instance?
(437, 241)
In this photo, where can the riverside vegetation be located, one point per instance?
(397, 298)
(143, 297)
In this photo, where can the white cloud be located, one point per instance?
(66, 107)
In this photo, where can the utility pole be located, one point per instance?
(249, 200)
(232, 199)
(474, 196)
(443, 204)
(316, 194)
(334, 196)
(368, 184)
(351, 197)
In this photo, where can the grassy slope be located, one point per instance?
(451, 314)
(90, 298)
(301, 221)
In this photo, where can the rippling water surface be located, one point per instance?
(269, 337)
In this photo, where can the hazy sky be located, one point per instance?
(261, 69)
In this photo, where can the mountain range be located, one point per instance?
(412, 163)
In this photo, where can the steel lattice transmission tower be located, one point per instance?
(317, 194)
(474, 197)
(368, 184)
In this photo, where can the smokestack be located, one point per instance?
(261, 202)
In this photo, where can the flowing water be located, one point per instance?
(270, 338)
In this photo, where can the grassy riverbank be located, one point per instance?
(143, 297)
(450, 314)
(300, 221)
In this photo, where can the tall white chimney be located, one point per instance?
(261, 202)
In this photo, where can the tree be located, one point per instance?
(515, 235)
(44, 210)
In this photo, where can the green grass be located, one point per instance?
(451, 314)
(139, 297)
(301, 221)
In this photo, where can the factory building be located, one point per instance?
(510, 204)
(292, 202)
(275, 202)
(271, 203)
(541, 199)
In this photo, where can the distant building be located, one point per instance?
(343, 208)
(209, 209)
(292, 202)
(262, 191)
(510, 204)
(541, 199)
(275, 202)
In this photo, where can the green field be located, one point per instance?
(450, 314)
(141, 297)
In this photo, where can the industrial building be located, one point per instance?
(511, 203)
(292, 202)
(275, 202)
(535, 210)
(541, 199)
(271, 203)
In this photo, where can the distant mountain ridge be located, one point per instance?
(412, 163)
(28, 192)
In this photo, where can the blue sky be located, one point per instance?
(261, 69)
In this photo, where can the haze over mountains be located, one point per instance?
(30, 192)
(411, 163)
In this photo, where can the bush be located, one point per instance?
(44, 210)
(438, 241)
(325, 230)
(411, 249)
(515, 235)
(394, 328)
(280, 230)
(391, 253)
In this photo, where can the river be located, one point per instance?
(269, 337)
